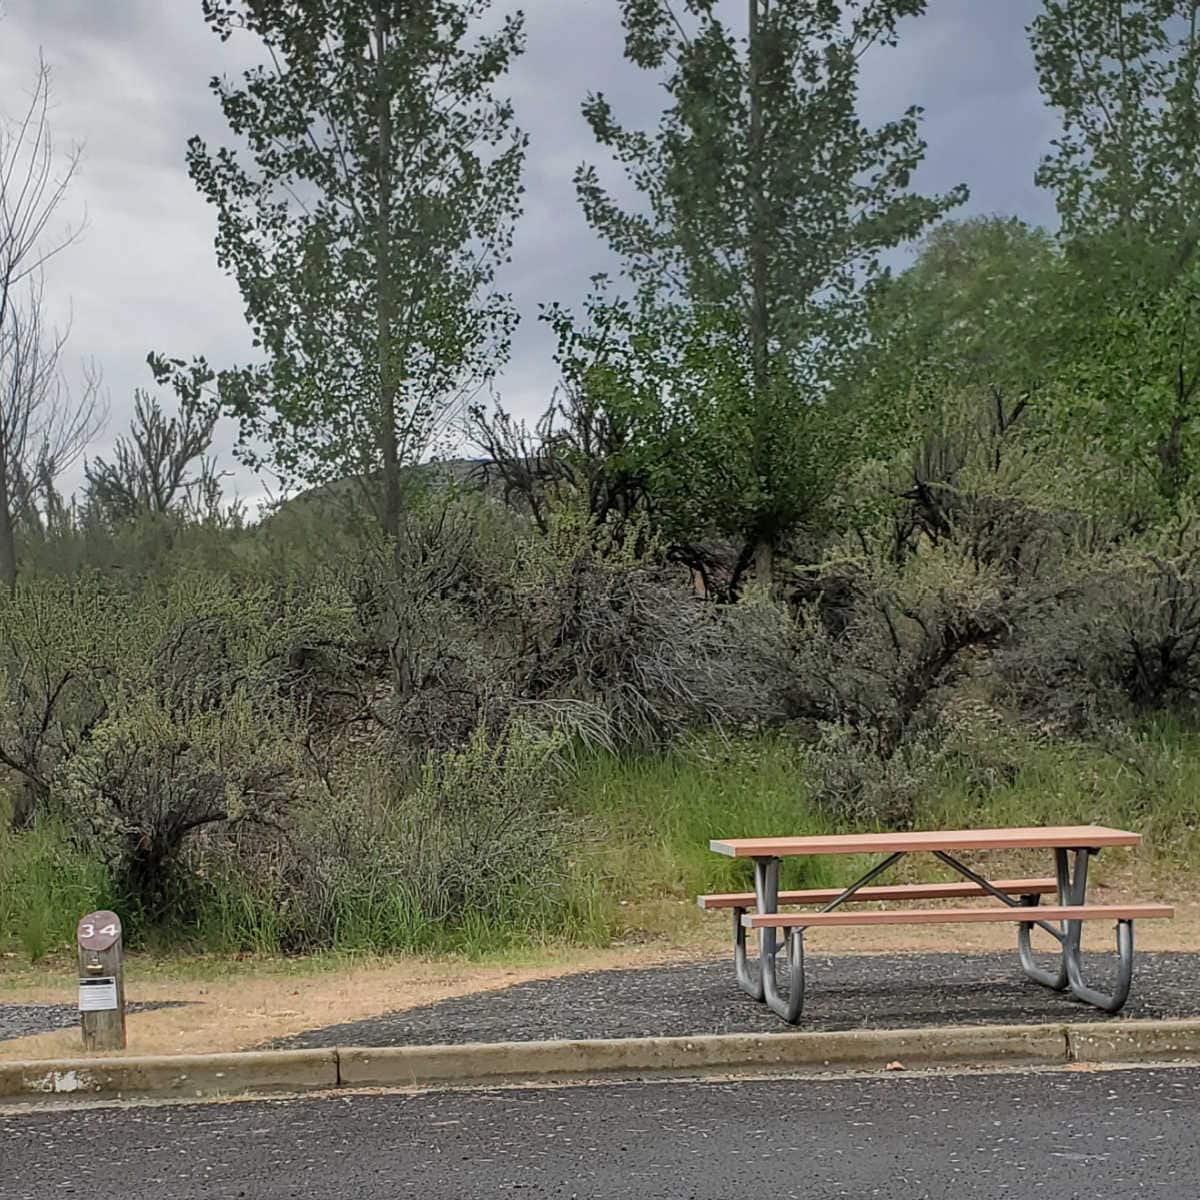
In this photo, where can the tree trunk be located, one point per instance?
(24, 804)
(760, 320)
(759, 249)
(384, 300)
(8, 542)
(764, 564)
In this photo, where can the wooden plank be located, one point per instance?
(1069, 836)
(901, 891)
(101, 981)
(963, 916)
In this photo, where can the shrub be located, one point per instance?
(1127, 642)
(476, 853)
(154, 774)
(857, 788)
(59, 641)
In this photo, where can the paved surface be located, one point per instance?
(867, 991)
(21, 1020)
(1066, 1135)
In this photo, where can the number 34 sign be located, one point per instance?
(99, 930)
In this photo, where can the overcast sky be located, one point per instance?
(131, 84)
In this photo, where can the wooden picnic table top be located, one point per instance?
(1030, 838)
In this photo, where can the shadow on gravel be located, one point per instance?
(24, 1020)
(867, 991)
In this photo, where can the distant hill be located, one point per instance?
(470, 473)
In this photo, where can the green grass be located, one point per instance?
(1148, 782)
(649, 820)
(378, 914)
(46, 885)
(654, 816)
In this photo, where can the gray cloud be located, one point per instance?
(131, 83)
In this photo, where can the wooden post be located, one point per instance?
(101, 982)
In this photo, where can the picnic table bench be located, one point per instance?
(1073, 846)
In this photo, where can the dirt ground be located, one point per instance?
(245, 1009)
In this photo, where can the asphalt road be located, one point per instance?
(1112, 1134)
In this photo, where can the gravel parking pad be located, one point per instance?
(867, 991)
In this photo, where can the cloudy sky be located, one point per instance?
(131, 84)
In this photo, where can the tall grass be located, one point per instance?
(46, 884)
(377, 913)
(1146, 779)
(656, 815)
(644, 827)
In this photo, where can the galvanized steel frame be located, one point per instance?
(762, 982)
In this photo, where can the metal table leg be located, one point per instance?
(749, 978)
(1052, 979)
(789, 1006)
(766, 899)
(1112, 1001)
(765, 987)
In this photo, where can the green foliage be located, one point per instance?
(47, 882)
(706, 175)
(658, 812)
(1131, 381)
(767, 204)
(474, 856)
(693, 429)
(972, 314)
(1124, 77)
(1143, 778)
(364, 237)
(159, 769)
(58, 641)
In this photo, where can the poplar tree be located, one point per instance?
(363, 214)
(765, 204)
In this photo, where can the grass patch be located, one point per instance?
(656, 815)
(46, 884)
(643, 826)
(1146, 780)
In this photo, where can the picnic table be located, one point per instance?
(1072, 845)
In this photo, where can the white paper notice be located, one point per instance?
(98, 995)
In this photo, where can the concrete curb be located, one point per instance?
(717, 1054)
(275, 1071)
(1135, 1041)
(170, 1075)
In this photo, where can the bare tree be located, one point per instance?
(43, 429)
(161, 466)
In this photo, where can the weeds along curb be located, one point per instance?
(288, 1071)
